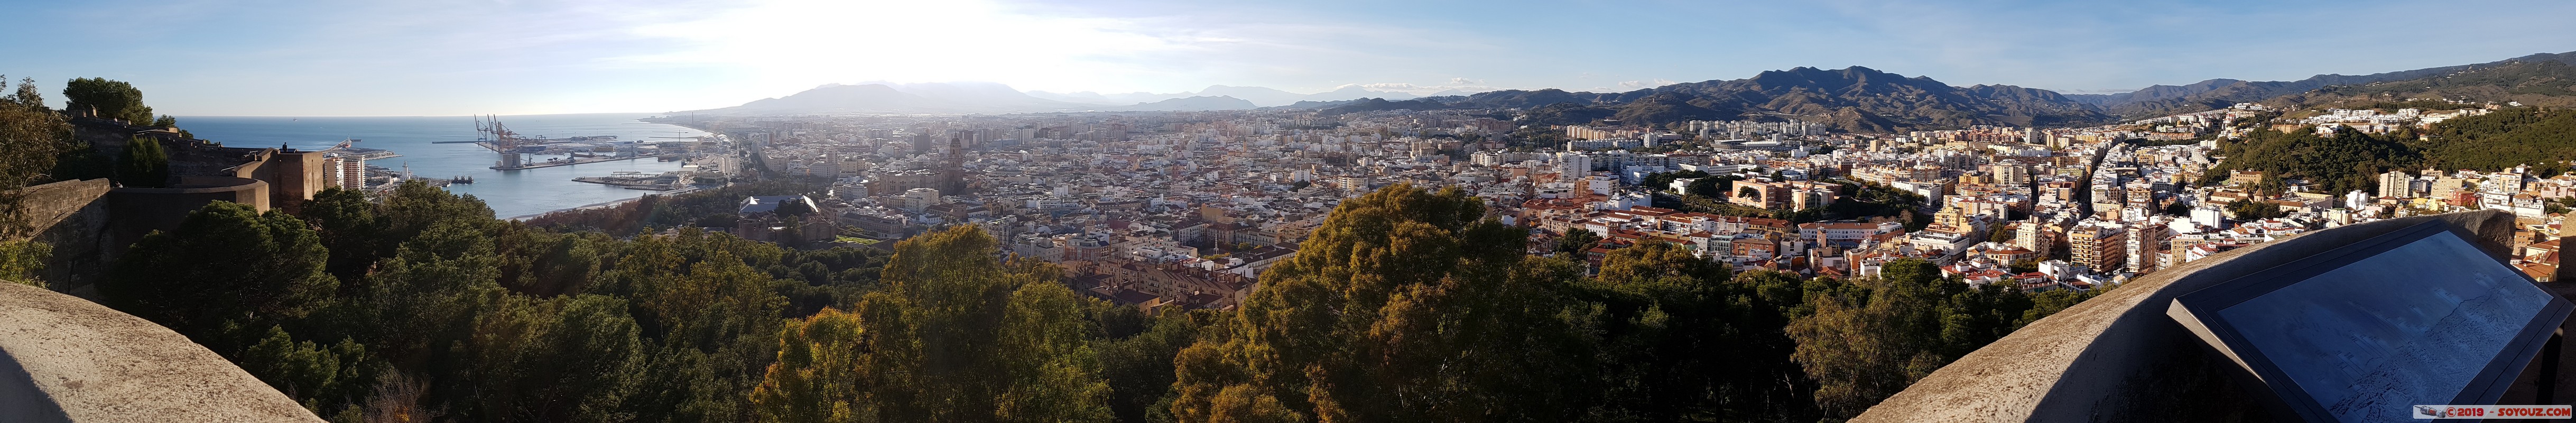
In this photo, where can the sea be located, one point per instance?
(515, 193)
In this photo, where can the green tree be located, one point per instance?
(1575, 242)
(958, 336)
(224, 263)
(144, 164)
(31, 139)
(2247, 209)
(106, 98)
(1685, 341)
(1405, 305)
(815, 379)
(349, 228)
(19, 261)
(793, 208)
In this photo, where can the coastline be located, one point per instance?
(598, 205)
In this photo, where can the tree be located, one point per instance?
(2248, 209)
(1576, 241)
(718, 220)
(224, 263)
(958, 336)
(107, 99)
(1685, 341)
(31, 138)
(1404, 305)
(791, 208)
(144, 164)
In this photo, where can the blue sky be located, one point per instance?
(374, 58)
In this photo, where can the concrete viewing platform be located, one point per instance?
(2121, 358)
(65, 359)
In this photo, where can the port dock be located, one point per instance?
(573, 161)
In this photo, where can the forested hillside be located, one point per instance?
(2541, 137)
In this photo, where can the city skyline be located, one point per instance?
(328, 59)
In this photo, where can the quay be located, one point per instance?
(574, 161)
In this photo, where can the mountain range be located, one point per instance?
(987, 97)
(2161, 100)
(1259, 96)
(1852, 99)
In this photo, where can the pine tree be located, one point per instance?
(107, 98)
(144, 164)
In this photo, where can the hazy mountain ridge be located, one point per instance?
(1852, 99)
(2161, 100)
(987, 97)
(2538, 82)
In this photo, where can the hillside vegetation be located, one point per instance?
(2348, 160)
(1405, 305)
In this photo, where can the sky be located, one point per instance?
(439, 58)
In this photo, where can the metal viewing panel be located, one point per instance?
(2363, 332)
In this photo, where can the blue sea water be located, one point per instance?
(510, 193)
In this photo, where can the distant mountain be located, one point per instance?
(881, 97)
(2219, 93)
(2545, 81)
(2152, 92)
(1853, 99)
(835, 98)
(1377, 104)
(1074, 97)
(1257, 95)
(1109, 99)
(1354, 92)
(1268, 97)
(1198, 103)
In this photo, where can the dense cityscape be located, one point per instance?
(1184, 209)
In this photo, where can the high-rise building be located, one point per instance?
(1573, 164)
(952, 169)
(2010, 174)
(2396, 183)
(348, 172)
(2146, 240)
(2099, 245)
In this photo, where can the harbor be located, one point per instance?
(639, 180)
(569, 161)
(527, 190)
(515, 149)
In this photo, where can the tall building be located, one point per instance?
(348, 172)
(2396, 184)
(1573, 164)
(2010, 174)
(2146, 240)
(952, 166)
(2037, 235)
(2099, 245)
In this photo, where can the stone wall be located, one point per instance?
(72, 217)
